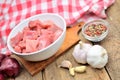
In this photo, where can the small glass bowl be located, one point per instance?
(96, 38)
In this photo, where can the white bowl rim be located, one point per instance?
(64, 30)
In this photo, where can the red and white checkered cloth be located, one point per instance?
(14, 11)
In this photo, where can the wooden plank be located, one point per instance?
(112, 42)
(53, 72)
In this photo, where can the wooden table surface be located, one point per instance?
(110, 72)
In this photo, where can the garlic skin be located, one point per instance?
(66, 64)
(97, 56)
(80, 52)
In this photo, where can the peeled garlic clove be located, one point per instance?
(80, 69)
(80, 52)
(66, 64)
(97, 56)
(72, 71)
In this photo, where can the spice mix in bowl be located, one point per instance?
(95, 30)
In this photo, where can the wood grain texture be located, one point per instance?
(70, 39)
(27, 76)
(112, 41)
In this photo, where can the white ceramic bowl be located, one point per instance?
(49, 50)
(96, 38)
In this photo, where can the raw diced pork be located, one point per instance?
(36, 36)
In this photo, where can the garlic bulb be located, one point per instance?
(80, 52)
(97, 56)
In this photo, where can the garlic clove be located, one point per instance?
(66, 64)
(80, 52)
(97, 56)
(72, 71)
(80, 69)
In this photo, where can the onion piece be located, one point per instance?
(10, 67)
(2, 76)
(2, 56)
